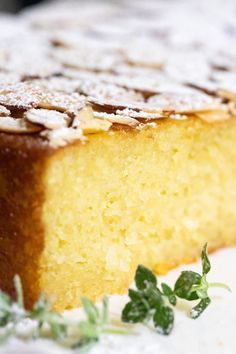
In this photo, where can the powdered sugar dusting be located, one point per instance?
(130, 62)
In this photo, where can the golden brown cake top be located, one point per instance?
(74, 68)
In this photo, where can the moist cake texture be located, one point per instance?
(117, 143)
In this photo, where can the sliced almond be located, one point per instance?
(111, 106)
(184, 102)
(19, 96)
(61, 101)
(63, 136)
(115, 118)
(226, 94)
(50, 119)
(85, 119)
(138, 114)
(144, 54)
(17, 126)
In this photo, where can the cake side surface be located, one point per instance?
(21, 197)
(153, 196)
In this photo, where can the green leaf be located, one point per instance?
(206, 265)
(172, 300)
(88, 330)
(105, 310)
(90, 310)
(202, 288)
(134, 312)
(10, 311)
(144, 278)
(42, 313)
(5, 308)
(166, 289)
(41, 306)
(5, 301)
(169, 293)
(19, 291)
(164, 320)
(57, 325)
(135, 295)
(183, 285)
(154, 297)
(200, 307)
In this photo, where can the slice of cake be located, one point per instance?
(111, 155)
(77, 219)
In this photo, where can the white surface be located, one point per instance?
(213, 333)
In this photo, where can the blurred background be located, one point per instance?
(16, 5)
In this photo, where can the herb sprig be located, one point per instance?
(51, 324)
(153, 302)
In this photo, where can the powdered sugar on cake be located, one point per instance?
(130, 63)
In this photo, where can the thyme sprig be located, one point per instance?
(51, 324)
(153, 302)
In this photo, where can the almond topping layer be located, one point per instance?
(88, 66)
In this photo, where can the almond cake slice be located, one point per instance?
(111, 158)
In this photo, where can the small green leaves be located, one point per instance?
(163, 320)
(200, 307)
(206, 265)
(90, 310)
(183, 286)
(169, 293)
(149, 302)
(5, 309)
(19, 291)
(144, 278)
(44, 315)
(105, 310)
(134, 312)
(201, 288)
(52, 324)
(11, 311)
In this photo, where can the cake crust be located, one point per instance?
(21, 196)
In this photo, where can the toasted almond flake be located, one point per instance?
(115, 118)
(83, 58)
(63, 136)
(4, 111)
(114, 105)
(144, 54)
(19, 96)
(61, 101)
(138, 114)
(17, 126)
(88, 123)
(97, 88)
(184, 102)
(50, 119)
(226, 94)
